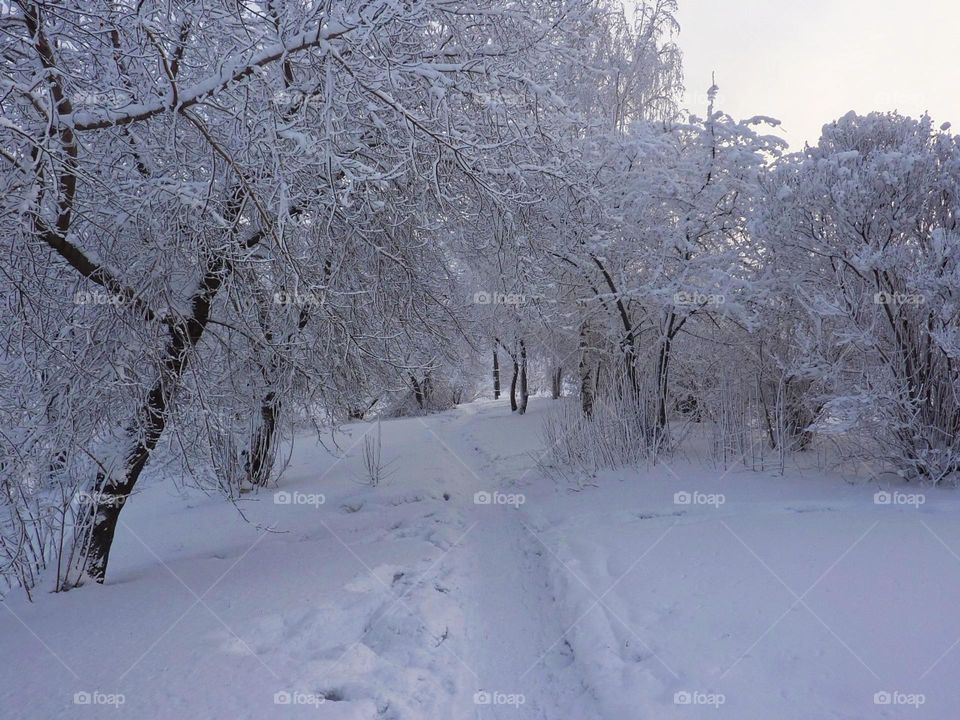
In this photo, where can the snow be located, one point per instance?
(231, 70)
(677, 591)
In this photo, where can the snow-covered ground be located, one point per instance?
(468, 585)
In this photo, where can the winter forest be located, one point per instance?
(429, 359)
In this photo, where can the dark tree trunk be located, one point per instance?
(522, 407)
(586, 381)
(798, 417)
(663, 369)
(98, 523)
(496, 375)
(427, 387)
(260, 455)
(556, 383)
(263, 442)
(513, 386)
(417, 391)
(111, 490)
(629, 342)
(771, 430)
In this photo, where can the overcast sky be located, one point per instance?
(807, 62)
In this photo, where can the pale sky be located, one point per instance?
(807, 62)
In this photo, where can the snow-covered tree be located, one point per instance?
(865, 224)
(181, 167)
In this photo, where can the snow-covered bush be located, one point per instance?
(865, 224)
(616, 434)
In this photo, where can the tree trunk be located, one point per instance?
(263, 442)
(427, 387)
(261, 453)
(417, 391)
(586, 381)
(796, 415)
(110, 491)
(663, 369)
(556, 383)
(98, 523)
(629, 342)
(522, 408)
(513, 386)
(496, 374)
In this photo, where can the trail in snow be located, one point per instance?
(520, 660)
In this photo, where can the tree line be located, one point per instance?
(223, 221)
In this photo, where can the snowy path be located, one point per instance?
(522, 667)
